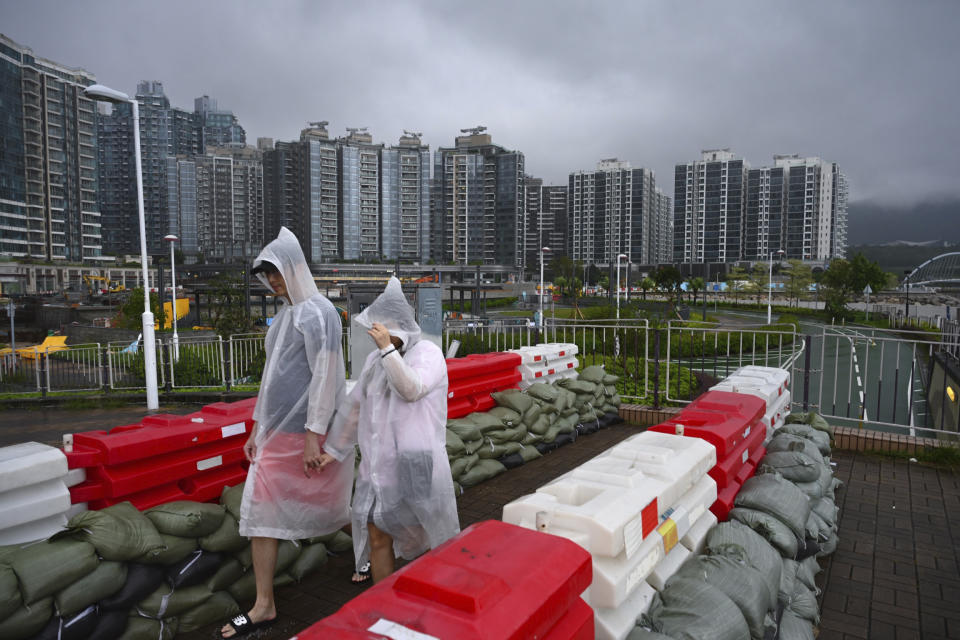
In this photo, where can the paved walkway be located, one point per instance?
(895, 573)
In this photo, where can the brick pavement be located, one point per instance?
(895, 573)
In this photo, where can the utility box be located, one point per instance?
(427, 303)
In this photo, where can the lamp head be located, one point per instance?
(105, 94)
(170, 238)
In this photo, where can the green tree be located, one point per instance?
(759, 281)
(799, 277)
(844, 280)
(695, 285)
(561, 283)
(645, 285)
(227, 309)
(669, 279)
(738, 281)
(131, 311)
(604, 282)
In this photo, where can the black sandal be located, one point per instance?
(362, 575)
(242, 626)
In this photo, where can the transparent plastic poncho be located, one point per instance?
(397, 413)
(303, 383)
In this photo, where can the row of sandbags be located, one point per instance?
(526, 424)
(756, 575)
(121, 573)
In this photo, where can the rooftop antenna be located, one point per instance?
(474, 130)
(320, 123)
(415, 134)
(352, 130)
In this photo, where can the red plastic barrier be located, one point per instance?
(478, 364)
(725, 497)
(726, 470)
(483, 384)
(489, 582)
(749, 407)
(751, 467)
(724, 430)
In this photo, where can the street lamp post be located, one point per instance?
(619, 255)
(906, 288)
(770, 287)
(105, 94)
(173, 296)
(542, 251)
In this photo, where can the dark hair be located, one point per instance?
(266, 268)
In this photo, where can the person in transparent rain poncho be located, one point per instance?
(285, 497)
(403, 504)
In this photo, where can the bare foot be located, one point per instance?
(256, 618)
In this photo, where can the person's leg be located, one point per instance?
(381, 553)
(264, 551)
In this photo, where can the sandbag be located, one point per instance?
(788, 577)
(455, 446)
(816, 528)
(778, 497)
(229, 572)
(784, 441)
(335, 542)
(695, 610)
(230, 498)
(803, 603)
(594, 373)
(194, 569)
(512, 461)
(738, 541)
(141, 580)
(609, 378)
(287, 552)
(826, 509)
(226, 539)
(609, 390)
(529, 453)
(578, 386)
(813, 419)
(186, 518)
(793, 627)
(828, 546)
(78, 626)
(483, 470)
(110, 625)
(565, 438)
(770, 528)
(44, 568)
(807, 571)
(166, 601)
(491, 451)
(104, 581)
(737, 579)
(508, 416)
(609, 408)
(505, 435)
(219, 606)
(464, 429)
(513, 399)
(141, 628)
(10, 599)
(244, 590)
(27, 621)
(463, 464)
(311, 558)
(543, 391)
(119, 532)
(819, 438)
(795, 466)
(485, 422)
(472, 446)
(174, 550)
(539, 426)
(639, 633)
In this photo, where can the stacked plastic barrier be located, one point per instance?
(163, 458)
(547, 362)
(631, 508)
(34, 498)
(769, 383)
(732, 423)
(488, 582)
(473, 378)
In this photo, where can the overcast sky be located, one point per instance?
(870, 84)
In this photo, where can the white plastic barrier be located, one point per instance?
(662, 572)
(670, 457)
(548, 370)
(696, 537)
(34, 498)
(780, 377)
(547, 362)
(772, 389)
(616, 624)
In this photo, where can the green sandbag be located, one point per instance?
(583, 400)
(609, 390)
(226, 539)
(551, 434)
(470, 446)
(219, 606)
(784, 441)
(779, 497)
(463, 464)
(485, 422)
(539, 426)
(530, 453)
(118, 533)
(826, 509)
(287, 552)
(508, 416)
(26, 622)
(594, 373)
(639, 633)
(532, 414)
(45, 567)
(813, 419)
(491, 451)
(505, 435)
(174, 550)
(104, 581)
(455, 446)
(483, 470)
(230, 498)
(695, 610)
(311, 558)
(580, 387)
(464, 428)
(513, 399)
(335, 542)
(542, 391)
(795, 466)
(770, 527)
(615, 400)
(568, 424)
(10, 599)
(588, 415)
(609, 378)
(244, 590)
(793, 627)
(738, 541)
(229, 572)
(821, 439)
(564, 398)
(186, 518)
(166, 601)
(803, 603)
(141, 628)
(531, 438)
(609, 408)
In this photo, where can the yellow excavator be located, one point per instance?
(101, 285)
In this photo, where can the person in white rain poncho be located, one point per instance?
(403, 504)
(285, 496)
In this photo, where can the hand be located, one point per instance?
(250, 447)
(325, 459)
(311, 452)
(380, 335)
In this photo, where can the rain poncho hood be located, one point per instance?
(302, 385)
(397, 413)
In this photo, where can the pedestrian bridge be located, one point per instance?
(943, 269)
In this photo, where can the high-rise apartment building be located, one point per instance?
(478, 202)
(48, 160)
(663, 229)
(405, 197)
(614, 209)
(359, 160)
(217, 127)
(545, 220)
(708, 206)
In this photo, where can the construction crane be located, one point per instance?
(353, 130)
(413, 134)
(474, 130)
(322, 124)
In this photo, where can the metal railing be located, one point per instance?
(247, 357)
